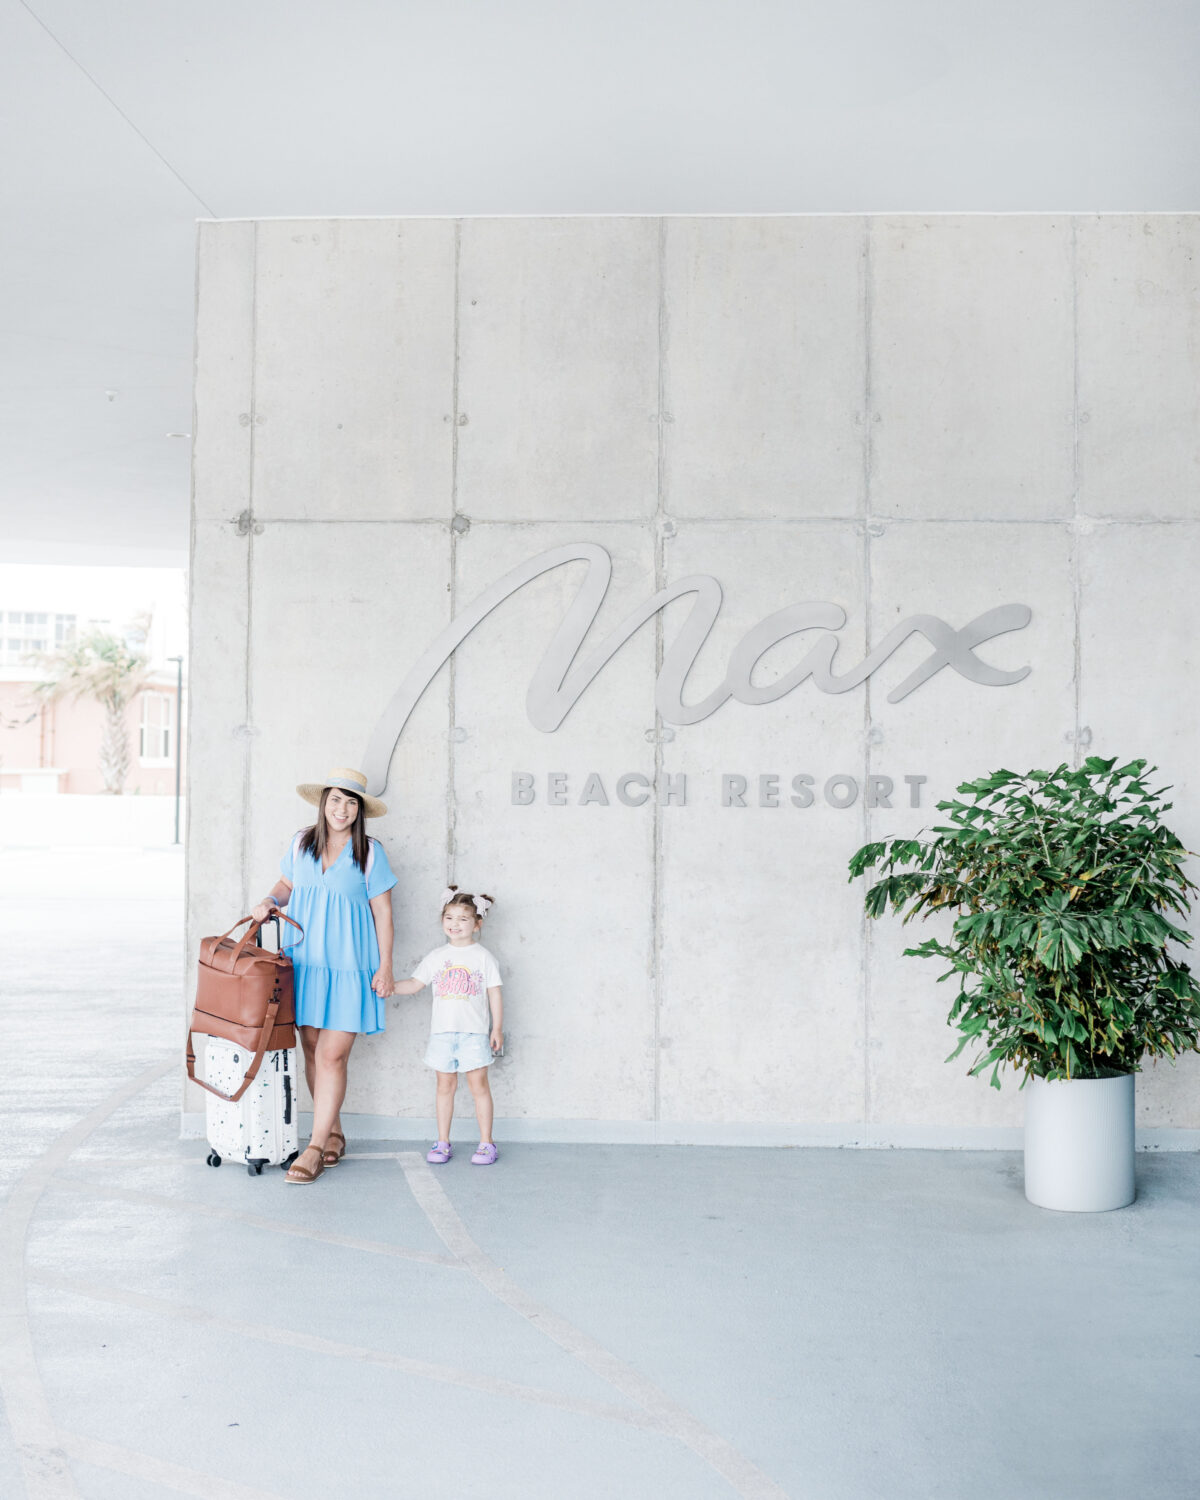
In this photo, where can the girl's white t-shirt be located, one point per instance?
(460, 978)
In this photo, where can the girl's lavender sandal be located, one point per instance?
(485, 1155)
(439, 1152)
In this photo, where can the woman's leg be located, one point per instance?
(308, 1041)
(447, 1085)
(310, 1157)
(331, 1054)
(477, 1078)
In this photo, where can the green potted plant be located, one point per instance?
(1067, 891)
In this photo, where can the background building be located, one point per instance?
(55, 747)
(49, 747)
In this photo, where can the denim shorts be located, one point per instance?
(458, 1051)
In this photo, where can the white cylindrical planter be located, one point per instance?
(1079, 1143)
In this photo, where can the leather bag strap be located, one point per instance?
(264, 1038)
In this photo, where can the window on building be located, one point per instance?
(156, 727)
(25, 631)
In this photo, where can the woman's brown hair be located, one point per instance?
(314, 840)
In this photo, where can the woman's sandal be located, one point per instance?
(331, 1156)
(297, 1173)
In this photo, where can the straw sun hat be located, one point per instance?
(346, 780)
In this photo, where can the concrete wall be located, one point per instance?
(897, 415)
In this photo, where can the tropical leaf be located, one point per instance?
(1066, 889)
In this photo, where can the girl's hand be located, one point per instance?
(383, 981)
(496, 1039)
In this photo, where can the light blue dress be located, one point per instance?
(338, 955)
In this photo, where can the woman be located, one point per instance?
(335, 884)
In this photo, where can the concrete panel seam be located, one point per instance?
(300, 522)
(452, 694)
(455, 369)
(868, 456)
(191, 614)
(660, 582)
(195, 423)
(745, 523)
(247, 743)
(1076, 572)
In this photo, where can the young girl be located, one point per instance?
(466, 984)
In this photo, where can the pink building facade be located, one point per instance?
(55, 747)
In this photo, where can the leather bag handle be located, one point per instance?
(251, 932)
(256, 927)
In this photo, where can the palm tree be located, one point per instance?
(109, 669)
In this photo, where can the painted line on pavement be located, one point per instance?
(290, 1339)
(44, 1465)
(256, 1221)
(171, 1476)
(666, 1415)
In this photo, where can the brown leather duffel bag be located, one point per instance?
(244, 993)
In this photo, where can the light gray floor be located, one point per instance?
(584, 1322)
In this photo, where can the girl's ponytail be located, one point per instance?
(480, 904)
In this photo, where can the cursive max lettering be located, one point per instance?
(559, 680)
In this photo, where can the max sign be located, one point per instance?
(559, 680)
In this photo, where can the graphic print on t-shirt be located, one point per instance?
(457, 979)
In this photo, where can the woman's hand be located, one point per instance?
(383, 981)
(274, 901)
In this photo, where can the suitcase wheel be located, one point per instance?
(287, 1161)
(255, 1168)
(213, 1159)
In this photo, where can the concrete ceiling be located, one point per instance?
(127, 120)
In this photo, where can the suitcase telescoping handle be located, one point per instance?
(268, 1026)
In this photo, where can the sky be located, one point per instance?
(109, 594)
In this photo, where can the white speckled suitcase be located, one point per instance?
(263, 1127)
